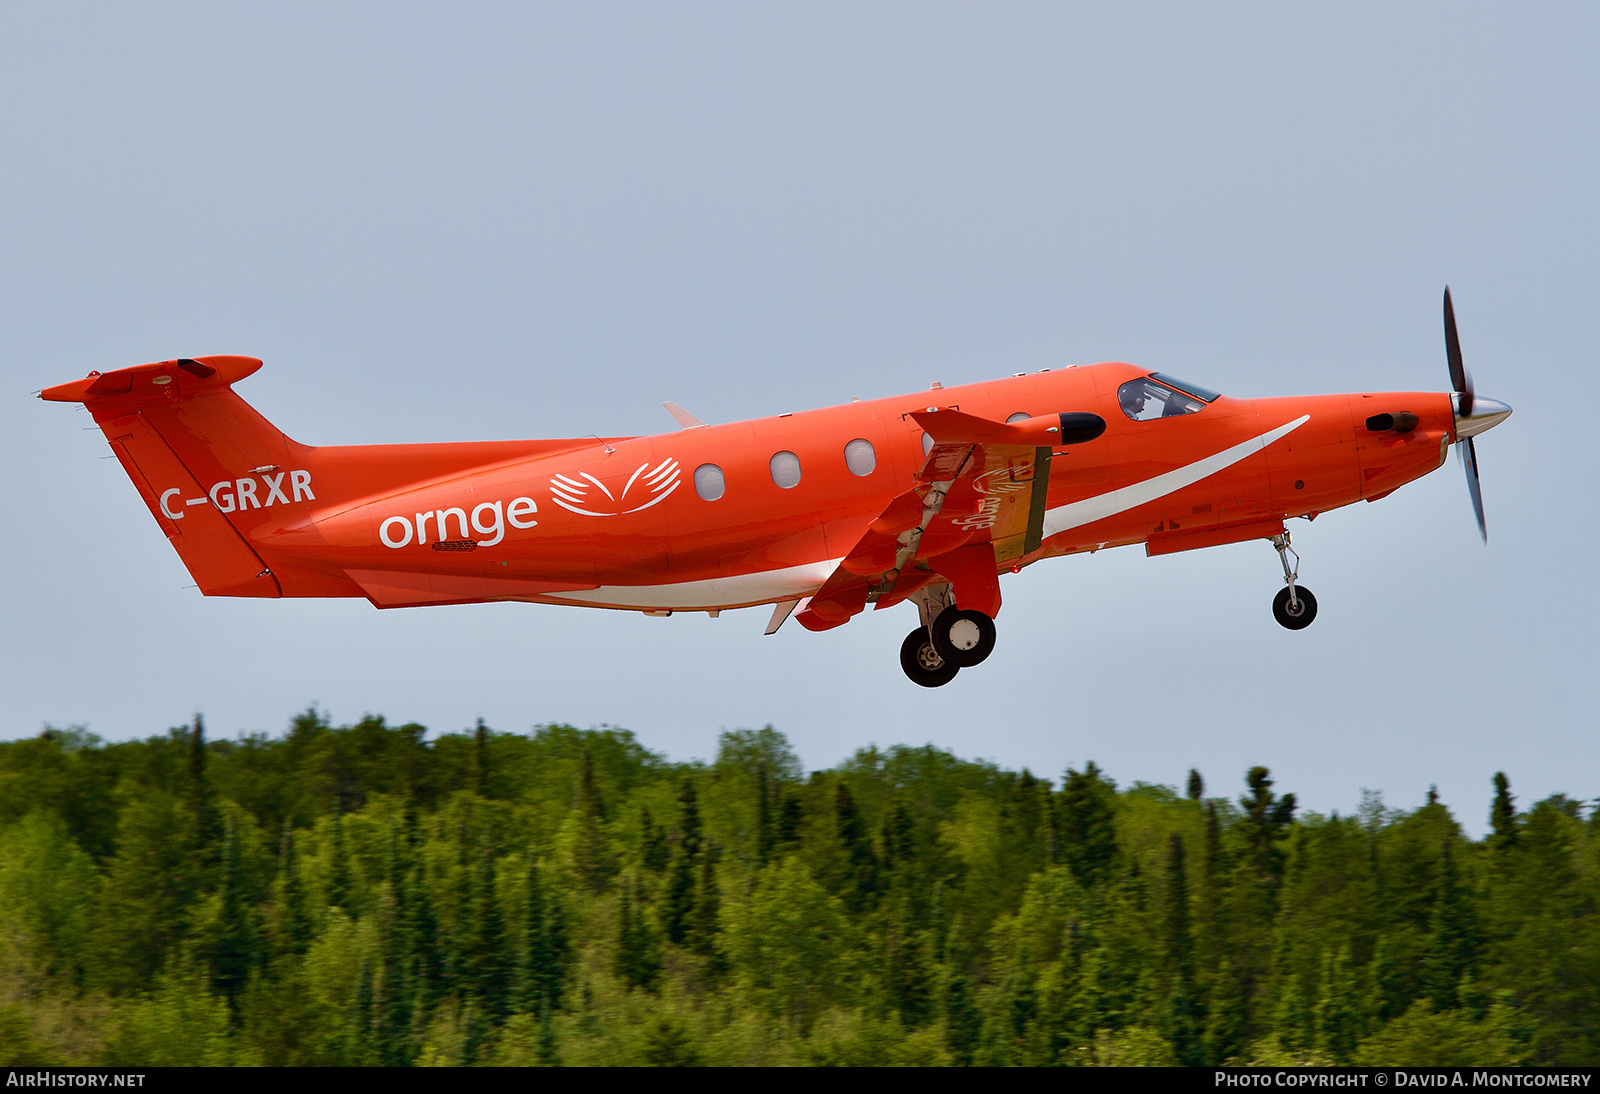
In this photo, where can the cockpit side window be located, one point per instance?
(1144, 399)
(1205, 395)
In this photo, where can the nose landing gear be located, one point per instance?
(1294, 607)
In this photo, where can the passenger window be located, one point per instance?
(1144, 399)
(1018, 416)
(785, 467)
(927, 443)
(708, 482)
(860, 457)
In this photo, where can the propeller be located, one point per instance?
(1473, 415)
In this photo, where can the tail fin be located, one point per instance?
(175, 425)
(239, 500)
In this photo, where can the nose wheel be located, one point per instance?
(1294, 607)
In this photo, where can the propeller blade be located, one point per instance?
(1460, 378)
(1469, 461)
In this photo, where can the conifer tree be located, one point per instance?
(1021, 998)
(1225, 1016)
(654, 850)
(543, 966)
(861, 870)
(340, 887)
(480, 760)
(906, 976)
(547, 1048)
(766, 829)
(1088, 835)
(591, 855)
(297, 925)
(1028, 840)
(1197, 785)
(638, 957)
(679, 917)
(963, 1020)
(1503, 815)
(399, 964)
(1213, 872)
(705, 918)
(791, 818)
(460, 966)
(898, 840)
(494, 959)
(1383, 985)
(1266, 817)
(1183, 1018)
(1338, 1017)
(207, 833)
(422, 933)
(1453, 926)
(1292, 1016)
(233, 952)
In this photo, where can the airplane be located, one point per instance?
(927, 497)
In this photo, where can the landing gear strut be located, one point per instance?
(950, 639)
(1294, 607)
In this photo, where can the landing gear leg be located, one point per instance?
(919, 657)
(1294, 607)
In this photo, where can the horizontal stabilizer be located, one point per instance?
(161, 382)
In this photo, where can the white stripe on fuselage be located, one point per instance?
(1078, 513)
(790, 583)
(798, 581)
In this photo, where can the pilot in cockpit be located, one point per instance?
(1132, 397)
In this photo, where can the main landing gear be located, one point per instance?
(954, 639)
(1294, 607)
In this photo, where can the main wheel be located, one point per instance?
(1295, 620)
(963, 636)
(922, 662)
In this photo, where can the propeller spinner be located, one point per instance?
(1473, 415)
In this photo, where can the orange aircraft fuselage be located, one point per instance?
(927, 496)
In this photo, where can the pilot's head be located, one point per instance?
(1132, 397)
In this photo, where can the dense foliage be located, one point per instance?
(364, 895)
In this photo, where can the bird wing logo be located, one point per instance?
(592, 498)
(1002, 480)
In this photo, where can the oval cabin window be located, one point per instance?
(860, 457)
(927, 443)
(1021, 415)
(708, 482)
(785, 467)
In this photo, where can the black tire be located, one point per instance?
(1295, 621)
(963, 636)
(922, 663)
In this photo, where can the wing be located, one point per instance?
(978, 504)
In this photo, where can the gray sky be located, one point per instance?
(455, 222)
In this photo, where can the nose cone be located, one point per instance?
(1485, 414)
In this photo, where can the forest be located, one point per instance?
(369, 894)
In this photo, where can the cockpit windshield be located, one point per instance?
(1161, 396)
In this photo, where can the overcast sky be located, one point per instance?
(472, 221)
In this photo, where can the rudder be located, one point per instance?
(174, 425)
